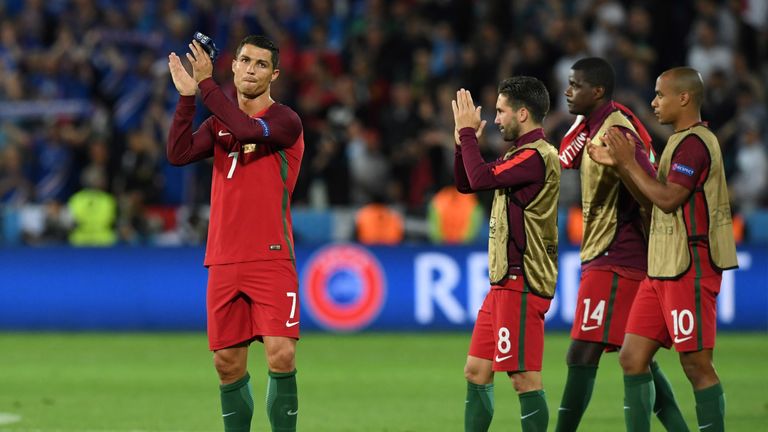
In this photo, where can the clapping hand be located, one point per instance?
(202, 68)
(185, 84)
(619, 149)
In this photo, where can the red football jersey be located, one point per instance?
(256, 163)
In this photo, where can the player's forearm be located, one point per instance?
(227, 111)
(478, 173)
(183, 146)
(243, 127)
(459, 174)
(646, 189)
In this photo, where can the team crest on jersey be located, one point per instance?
(249, 148)
(343, 287)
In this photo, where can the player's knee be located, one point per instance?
(699, 371)
(229, 367)
(582, 353)
(470, 373)
(476, 375)
(282, 359)
(526, 381)
(632, 363)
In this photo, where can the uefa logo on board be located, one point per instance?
(343, 287)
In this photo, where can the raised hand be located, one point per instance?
(202, 67)
(185, 84)
(618, 151)
(466, 115)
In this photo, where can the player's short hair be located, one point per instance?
(688, 80)
(528, 92)
(261, 42)
(598, 73)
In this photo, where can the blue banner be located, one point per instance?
(343, 287)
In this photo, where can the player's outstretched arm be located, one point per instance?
(185, 84)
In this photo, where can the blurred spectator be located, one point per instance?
(15, 188)
(723, 21)
(44, 225)
(719, 100)
(749, 185)
(369, 170)
(93, 212)
(574, 47)
(139, 167)
(378, 224)
(609, 17)
(330, 167)
(708, 54)
(454, 218)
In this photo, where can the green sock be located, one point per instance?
(534, 414)
(237, 405)
(576, 396)
(710, 408)
(665, 407)
(478, 408)
(282, 401)
(639, 395)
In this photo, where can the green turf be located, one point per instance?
(374, 382)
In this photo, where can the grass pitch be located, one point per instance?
(369, 382)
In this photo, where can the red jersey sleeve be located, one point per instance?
(689, 162)
(276, 127)
(459, 174)
(185, 147)
(525, 167)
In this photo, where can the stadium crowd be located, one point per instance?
(86, 98)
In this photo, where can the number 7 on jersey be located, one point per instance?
(234, 156)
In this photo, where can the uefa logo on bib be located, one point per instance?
(343, 287)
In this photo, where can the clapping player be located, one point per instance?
(691, 243)
(257, 145)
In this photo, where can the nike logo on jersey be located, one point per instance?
(679, 340)
(705, 426)
(292, 412)
(291, 324)
(222, 133)
(588, 328)
(229, 414)
(501, 359)
(528, 415)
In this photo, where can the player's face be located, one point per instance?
(580, 96)
(254, 71)
(666, 104)
(506, 119)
